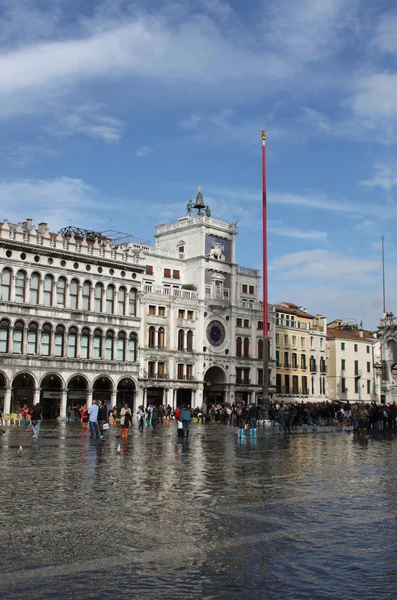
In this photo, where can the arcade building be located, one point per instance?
(101, 315)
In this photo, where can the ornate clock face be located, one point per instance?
(215, 333)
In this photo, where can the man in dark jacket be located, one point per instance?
(35, 418)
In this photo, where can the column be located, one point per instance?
(36, 398)
(64, 399)
(90, 337)
(7, 402)
(144, 397)
(38, 341)
(113, 398)
(78, 343)
(79, 297)
(193, 400)
(89, 398)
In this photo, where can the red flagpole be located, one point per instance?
(264, 230)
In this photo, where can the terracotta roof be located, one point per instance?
(349, 334)
(292, 309)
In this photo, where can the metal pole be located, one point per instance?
(383, 275)
(265, 399)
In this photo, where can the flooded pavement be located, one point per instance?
(311, 516)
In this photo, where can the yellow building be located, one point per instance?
(301, 348)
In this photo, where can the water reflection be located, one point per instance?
(305, 516)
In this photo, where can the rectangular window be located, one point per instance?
(278, 384)
(368, 349)
(84, 346)
(286, 339)
(286, 384)
(277, 339)
(355, 347)
(71, 346)
(294, 361)
(303, 343)
(295, 389)
(356, 386)
(246, 323)
(190, 315)
(167, 272)
(368, 386)
(303, 361)
(251, 289)
(343, 364)
(17, 341)
(304, 386)
(286, 359)
(58, 344)
(208, 290)
(277, 358)
(161, 311)
(180, 371)
(244, 288)
(189, 372)
(152, 309)
(86, 295)
(260, 325)
(342, 346)
(120, 349)
(239, 322)
(343, 386)
(151, 368)
(45, 344)
(109, 348)
(149, 270)
(294, 341)
(96, 347)
(260, 376)
(356, 368)
(176, 274)
(181, 313)
(161, 369)
(32, 339)
(226, 293)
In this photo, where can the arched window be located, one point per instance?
(152, 337)
(72, 342)
(84, 342)
(97, 344)
(34, 288)
(59, 340)
(260, 348)
(132, 302)
(189, 341)
(48, 286)
(160, 337)
(98, 295)
(17, 337)
(74, 294)
(6, 285)
(109, 345)
(46, 339)
(121, 340)
(181, 339)
(61, 291)
(132, 347)
(239, 347)
(20, 283)
(121, 301)
(86, 295)
(110, 299)
(246, 348)
(32, 338)
(4, 335)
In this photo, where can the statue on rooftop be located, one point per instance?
(189, 207)
(207, 211)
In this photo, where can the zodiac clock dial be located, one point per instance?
(215, 333)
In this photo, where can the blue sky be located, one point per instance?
(112, 113)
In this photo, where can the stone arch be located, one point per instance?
(51, 386)
(22, 390)
(126, 393)
(214, 385)
(102, 389)
(77, 391)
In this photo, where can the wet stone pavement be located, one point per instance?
(309, 516)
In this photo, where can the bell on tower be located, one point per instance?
(199, 201)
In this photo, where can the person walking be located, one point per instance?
(35, 418)
(141, 418)
(102, 416)
(125, 420)
(177, 414)
(93, 421)
(155, 417)
(25, 414)
(186, 417)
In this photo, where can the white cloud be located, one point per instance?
(385, 177)
(144, 152)
(87, 119)
(191, 121)
(59, 202)
(299, 234)
(385, 35)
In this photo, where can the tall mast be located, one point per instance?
(383, 275)
(265, 282)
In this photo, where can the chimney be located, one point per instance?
(43, 227)
(29, 223)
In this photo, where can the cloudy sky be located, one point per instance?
(113, 112)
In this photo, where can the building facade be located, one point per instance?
(301, 369)
(386, 358)
(351, 363)
(86, 316)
